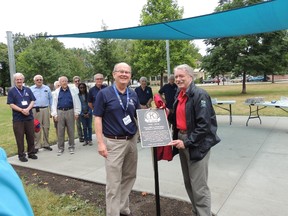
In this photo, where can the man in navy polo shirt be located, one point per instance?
(66, 107)
(98, 78)
(169, 90)
(144, 93)
(21, 101)
(115, 113)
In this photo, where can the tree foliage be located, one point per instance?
(257, 54)
(4, 67)
(149, 58)
(48, 57)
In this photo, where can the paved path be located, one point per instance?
(248, 170)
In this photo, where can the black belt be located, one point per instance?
(119, 137)
(183, 131)
(65, 109)
(40, 107)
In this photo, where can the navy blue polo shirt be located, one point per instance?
(169, 91)
(108, 107)
(65, 99)
(93, 93)
(16, 96)
(144, 95)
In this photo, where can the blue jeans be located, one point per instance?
(87, 127)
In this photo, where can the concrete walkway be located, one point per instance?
(248, 171)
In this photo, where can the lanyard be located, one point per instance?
(20, 93)
(120, 101)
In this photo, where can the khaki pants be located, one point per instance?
(121, 169)
(66, 120)
(43, 116)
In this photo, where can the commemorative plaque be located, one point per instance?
(153, 127)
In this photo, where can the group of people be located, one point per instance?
(66, 105)
(114, 107)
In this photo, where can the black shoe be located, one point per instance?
(32, 156)
(126, 215)
(35, 151)
(48, 148)
(81, 140)
(23, 159)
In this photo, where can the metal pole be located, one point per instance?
(168, 58)
(12, 66)
(156, 178)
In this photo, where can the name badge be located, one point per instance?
(127, 120)
(24, 103)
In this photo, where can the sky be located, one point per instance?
(74, 16)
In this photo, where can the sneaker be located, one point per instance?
(32, 156)
(85, 143)
(71, 151)
(23, 159)
(90, 143)
(60, 152)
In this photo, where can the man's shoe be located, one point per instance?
(60, 152)
(48, 148)
(90, 143)
(71, 151)
(81, 140)
(35, 151)
(32, 156)
(126, 214)
(23, 159)
(85, 143)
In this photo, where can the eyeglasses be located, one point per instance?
(99, 79)
(123, 72)
(38, 79)
(76, 81)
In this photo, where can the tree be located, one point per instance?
(49, 58)
(104, 58)
(252, 54)
(149, 56)
(4, 67)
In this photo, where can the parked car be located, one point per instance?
(256, 79)
(211, 80)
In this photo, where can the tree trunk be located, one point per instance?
(244, 84)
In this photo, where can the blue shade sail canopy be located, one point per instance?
(264, 17)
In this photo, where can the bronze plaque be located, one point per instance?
(153, 127)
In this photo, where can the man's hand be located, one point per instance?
(177, 143)
(102, 150)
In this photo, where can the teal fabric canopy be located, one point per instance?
(264, 17)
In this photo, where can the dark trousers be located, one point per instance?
(20, 129)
